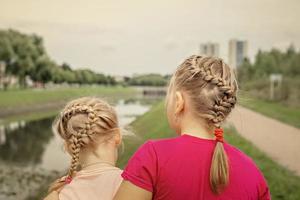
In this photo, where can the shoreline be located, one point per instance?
(36, 104)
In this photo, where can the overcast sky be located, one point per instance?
(138, 36)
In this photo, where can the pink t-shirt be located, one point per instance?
(178, 168)
(100, 183)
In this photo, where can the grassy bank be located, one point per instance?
(33, 104)
(284, 113)
(12, 98)
(283, 184)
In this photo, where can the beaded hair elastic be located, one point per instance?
(219, 135)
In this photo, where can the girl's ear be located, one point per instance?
(179, 102)
(118, 138)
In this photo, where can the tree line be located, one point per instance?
(255, 77)
(25, 55)
(148, 80)
(286, 63)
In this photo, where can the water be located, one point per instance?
(32, 144)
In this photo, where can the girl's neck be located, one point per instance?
(195, 128)
(103, 154)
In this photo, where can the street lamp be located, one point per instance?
(275, 80)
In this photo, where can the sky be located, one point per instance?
(125, 37)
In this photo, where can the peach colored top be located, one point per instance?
(99, 183)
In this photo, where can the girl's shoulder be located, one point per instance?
(237, 153)
(241, 159)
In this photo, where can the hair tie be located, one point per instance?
(219, 135)
(68, 180)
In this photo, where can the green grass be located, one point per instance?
(283, 183)
(28, 97)
(284, 113)
(30, 116)
(33, 104)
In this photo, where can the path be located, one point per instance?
(279, 141)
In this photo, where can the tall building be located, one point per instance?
(210, 49)
(238, 51)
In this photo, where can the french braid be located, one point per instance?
(76, 139)
(197, 67)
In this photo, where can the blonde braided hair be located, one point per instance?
(79, 124)
(212, 87)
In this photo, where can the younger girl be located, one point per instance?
(89, 128)
(198, 164)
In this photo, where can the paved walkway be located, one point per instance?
(278, 140)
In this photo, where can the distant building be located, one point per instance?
(238, 51)
(210, 49)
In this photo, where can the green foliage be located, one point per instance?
(255, 78)
(149, 80)
(25, 55)
(269, 62)
(276, 110)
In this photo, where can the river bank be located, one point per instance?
(33, 104)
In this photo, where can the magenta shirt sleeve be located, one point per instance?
(264, 192)
(141, 169)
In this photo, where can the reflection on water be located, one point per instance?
(32, 144)
(23, 144)
(129, 110)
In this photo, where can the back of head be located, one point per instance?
(81, 124)
(212, 88)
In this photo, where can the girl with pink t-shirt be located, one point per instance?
(198, 164)
(90, 130)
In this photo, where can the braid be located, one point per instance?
(75, 148)
(222, 107)
(76, 140)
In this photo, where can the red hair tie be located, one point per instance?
(219, 134)
(68, 180)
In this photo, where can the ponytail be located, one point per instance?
(219, 170)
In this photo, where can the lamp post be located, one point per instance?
(275, 79)
(2, 73)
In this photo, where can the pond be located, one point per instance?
(30, 149)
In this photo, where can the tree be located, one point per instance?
(43, 70)
(6, 50)
(148, 79)
(25, 55)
